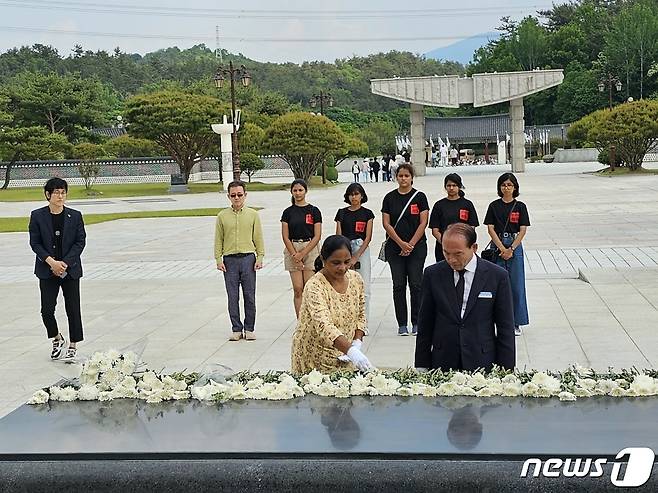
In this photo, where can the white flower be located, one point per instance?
(126, 367)
(530, 389)
(429, 391)
(566, 396)
(63, 394)
(544, 392)
(111, 378)
(342, 392)
(583, 371)
(510, 378)
(459, 378)
(546, 381)
(315, 377)
(466, 391)
(105, 396)
(404, 392)
(287, 381)
(495, 387)
(511, 389)
(181, 394)
(88, 393)
(448, 388)
(39, 397)
(89, 378)
(606, 386)
(254, 383)
(581, 392)
(477, 381)
(617, 392)
(586, 383)
(170, 383)
(359, 385)
(644, 385)
(485, 392)
(236, 391)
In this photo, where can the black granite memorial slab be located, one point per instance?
(484, 437)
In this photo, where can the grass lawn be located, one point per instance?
(623, 171)
(19, 224)
(77, 192)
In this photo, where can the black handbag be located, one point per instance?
(491, 251)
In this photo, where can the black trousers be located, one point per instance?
(407, 270)
(438, 252)
(49, 291)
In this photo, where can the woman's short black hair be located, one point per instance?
(298, 181)
(329, 246)
(503, 178)
(352, 188)
(457, 180)
(53, 184)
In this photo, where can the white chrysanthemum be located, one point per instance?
(315, 377)
(459, 378)
(111, 378)
(510, 379)
(257, 393)
(485, 392)
(181, 394)
(105, 396)
(88, 393)
(88, 378)
(545, 392)
(404, 392)
(154, 398)
(126, 367)
(39, 397)
(131, 356)
(463, 390)
(566, 396)
(359, 385)
(113, 355)
(546, 381)
(63, 394)
(287, 380)
(342, 392)
(530, 389)
(429, 391)
(644, 385)
(617, 392)
(448, 388)
(606, 386)
(512, 389)
(477, 381)
(581, 392)
(586, 383)
(170, 383)
(254, 383)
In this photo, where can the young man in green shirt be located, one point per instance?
(239, 252)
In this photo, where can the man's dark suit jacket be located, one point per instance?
(42, 241)
(486, 333)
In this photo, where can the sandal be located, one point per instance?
(58, 346)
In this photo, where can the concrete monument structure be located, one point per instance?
(450, 91)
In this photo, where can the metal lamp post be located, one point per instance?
(610, 81)
(322, 99)
(233, 73)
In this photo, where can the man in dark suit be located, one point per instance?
(57, 237)
(466, 318)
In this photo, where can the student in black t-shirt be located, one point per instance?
(355, 223)
(449, 210)
(301, 228)
(406, 247)
(57, 237)
(507, 221)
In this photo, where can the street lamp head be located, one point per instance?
(219, 80)
(601, 86)
(618, 86)
(246, 78)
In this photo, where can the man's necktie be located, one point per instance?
(459, 287)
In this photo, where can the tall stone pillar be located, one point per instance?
(418, 139)
(517, 137)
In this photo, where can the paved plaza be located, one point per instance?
(591, 263)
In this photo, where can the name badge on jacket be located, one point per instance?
(485, 294)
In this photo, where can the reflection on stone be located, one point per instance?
(343, 429)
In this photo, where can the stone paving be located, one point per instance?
(591, 258)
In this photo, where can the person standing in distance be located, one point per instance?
(239, 252)
(454, 208)
(466, 318)
(58, 237)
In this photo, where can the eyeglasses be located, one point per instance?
(507, 185)
(238, 195)
(58, 192)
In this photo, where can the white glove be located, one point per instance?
(359, 359)
(357, 343)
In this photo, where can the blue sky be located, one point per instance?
(265, 30)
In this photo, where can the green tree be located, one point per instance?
(304, 141)
(250, 163)
(26, 143)
(352, 146)
(379, 137)
(177, 121)
(251, 138)
(127, 146)
(631, 127)
(89, 169)
(62, 104)
(528, 43)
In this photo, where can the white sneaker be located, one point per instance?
(518, 331)
(58, 347)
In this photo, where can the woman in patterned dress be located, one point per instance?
(332, 319)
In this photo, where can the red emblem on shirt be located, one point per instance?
(360, 227)
(463, 214)
(514, 217)
(413, 208)
(309, 218)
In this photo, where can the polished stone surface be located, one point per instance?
(384, 426)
